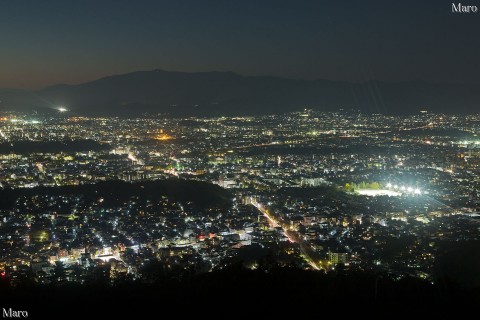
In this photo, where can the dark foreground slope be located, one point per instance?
(245, 293)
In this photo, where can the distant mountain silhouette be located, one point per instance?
(227, 93)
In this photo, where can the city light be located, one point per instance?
(163, 137)
(330, 162)
(290, 199)
(406, 189)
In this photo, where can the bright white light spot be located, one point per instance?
(403, 188)
(410, 189)
(395, 186)
(62, 109)
(389, 185)
(417, 191)
(380, 192)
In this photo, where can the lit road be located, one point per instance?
(3, 135)
(307, 251)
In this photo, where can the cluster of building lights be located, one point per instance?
(467, 142)
(404, 188)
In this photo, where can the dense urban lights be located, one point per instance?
(316, 200)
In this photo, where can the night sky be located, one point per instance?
(49, 42)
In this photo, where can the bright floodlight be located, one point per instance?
(62, 109)
(395, 187)
(403, 188)
(417, 191)
(410, 189)
(389, 185)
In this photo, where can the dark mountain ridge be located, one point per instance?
(228, 93)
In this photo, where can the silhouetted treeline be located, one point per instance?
(117, 192)
(441, 132)
(27, 147)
